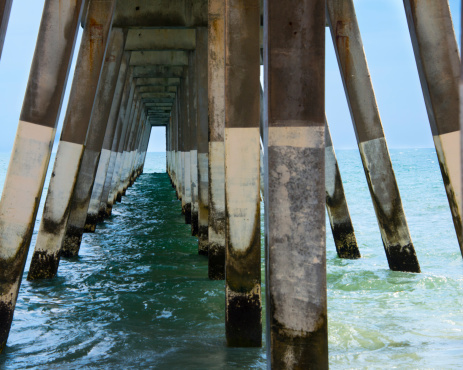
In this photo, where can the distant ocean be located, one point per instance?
(138, 295)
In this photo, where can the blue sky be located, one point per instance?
(387, 46)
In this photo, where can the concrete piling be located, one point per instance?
(122, 150)
(45, 259)
(108, 153)
(135, 148)
(336, 204)
(216, 165)
(139, 146)
(5, 9)
(203, 139)
(461, 107)
(261, 130)
(143, 148)
(438, 63)
(32, 147)
(118, 177)
(186, 161)
(131, 149)
(181, 144)
(193, 128)
(93, 146)
(107, 196)
(175, 146)
(194, 67)
(294, 39)
(382, 184)
(243, 322)
(169, 150)
(121, 184)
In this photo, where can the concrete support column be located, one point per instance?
(144, 147)
(46, 255)
(172, 149)
(172, 146)
(384, 191)
(438, 62)
(170, 143)
(139, 147)
(181, 145)
(203, 139)
(122, 146)
(120, 188)
(193, 141)
(32, 147)
(119, 183)
(133, 146)
(186, 162)
(99, 126)
(294, 46)
(216, 165)
(176, 145)
(114, 194)
(136, 148)
(336, 204)
(461, 108)
(5, 9)
(106, 201)
(261, 128)
(108, 156)
(243, 322)
(169, 149)
(174, 152)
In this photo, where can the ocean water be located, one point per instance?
(138, 294)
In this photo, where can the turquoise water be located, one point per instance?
(138, 295)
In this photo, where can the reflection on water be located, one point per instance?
(138, 295)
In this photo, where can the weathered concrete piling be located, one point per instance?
(193, 67)
(109, 148)
(99, 126)
(376, 161)
(294, 146)
(461, 108)
(336, 204)
(185, 160)
(107, 196)
(5, 9)
(32, 148)
(438, 62)
(193, 129)
(120, 185)
(243, 321)
(202, 137)
(216, 165)
(181, 144)
(45, 259)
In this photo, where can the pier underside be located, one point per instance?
(232, 145)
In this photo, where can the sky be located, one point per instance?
(387, 46)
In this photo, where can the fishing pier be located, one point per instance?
(193, 67)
